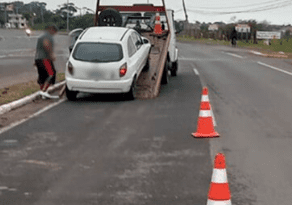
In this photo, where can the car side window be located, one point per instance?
(131, 47)
(137, 40)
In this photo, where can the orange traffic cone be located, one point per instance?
(205, 126)
(219, 193)
(157, 28)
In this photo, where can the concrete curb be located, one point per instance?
(269, 55)
(18, 103)
(257, 53)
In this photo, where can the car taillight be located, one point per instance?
(123, 70)
(70, 68)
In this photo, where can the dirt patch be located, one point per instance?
(18, 91)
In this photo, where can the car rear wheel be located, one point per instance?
(71, 95)
(131, 94)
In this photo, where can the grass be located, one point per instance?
(21, 90)
(277, 45)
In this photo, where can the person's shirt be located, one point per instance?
(233, 34)
(41, 51)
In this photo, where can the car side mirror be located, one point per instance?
(145, 41)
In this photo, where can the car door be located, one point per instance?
(141, 54)
(133, 60)
(73, 36)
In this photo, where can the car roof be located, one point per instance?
(104, 33)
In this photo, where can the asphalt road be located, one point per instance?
(17, 56)
(103, 150)
(251, 97)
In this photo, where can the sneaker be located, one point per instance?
(47, 95)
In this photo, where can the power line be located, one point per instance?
(249, 5)
(264, 8)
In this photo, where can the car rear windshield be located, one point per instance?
(98, 52)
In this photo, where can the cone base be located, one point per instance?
(224, 202)
(209, 135)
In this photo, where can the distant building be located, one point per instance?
(17, 21)
(213, 27)
(242, 28)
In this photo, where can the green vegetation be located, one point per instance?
(38, 16)
(277, 45)
(21, 90)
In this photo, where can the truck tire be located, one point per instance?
(110, 17)
(174, 68)
(165, 76)
(71, 95)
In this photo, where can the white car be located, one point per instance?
(106, 60)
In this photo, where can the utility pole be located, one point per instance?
(186, 23)
(42, 13)
(185, 11)
(67, 15)
(5, 15)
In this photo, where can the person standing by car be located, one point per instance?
(44, 58)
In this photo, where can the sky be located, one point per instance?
(229, 11)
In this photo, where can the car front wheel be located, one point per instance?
(165, 77)
(174, 69)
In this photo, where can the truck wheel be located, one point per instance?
(165, 77)
(71, 95)
(110, 17)
(174, 69)
(131, 94)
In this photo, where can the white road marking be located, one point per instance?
(202, 59)
(212, 114)
(31, 116)
(3, 188)
(272, 67)
(196, 71)
(232, 54)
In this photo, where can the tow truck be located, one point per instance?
(163, 56)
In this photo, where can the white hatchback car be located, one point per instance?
(106, 60)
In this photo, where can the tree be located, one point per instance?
(82, 22)
(64, 9)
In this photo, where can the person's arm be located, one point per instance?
(48, 46)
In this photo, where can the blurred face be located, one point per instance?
(52, 31)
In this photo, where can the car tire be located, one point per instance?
(174, 68)
(165, 76)
(131, 94)
(110, 17)
(71, 95)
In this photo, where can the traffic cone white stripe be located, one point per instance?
(157, 18)
(219, 176)
(205, 113)
(213, 202)
(205, 98)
